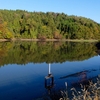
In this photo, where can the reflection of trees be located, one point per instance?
(2, 52)
(98, 47)
(4, 48)
(39, 52)
(79, 51)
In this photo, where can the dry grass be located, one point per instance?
(90, 92)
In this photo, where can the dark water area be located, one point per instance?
(25, 68)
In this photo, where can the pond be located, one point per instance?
(25, 68)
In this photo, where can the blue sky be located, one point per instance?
(86, 8)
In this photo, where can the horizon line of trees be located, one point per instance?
(49, 25)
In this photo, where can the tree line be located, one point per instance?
(49, 25)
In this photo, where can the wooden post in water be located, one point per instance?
(49, 69)
(49, 80)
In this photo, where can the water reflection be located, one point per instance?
(39, 52)
(98, 48)
(82, 77)
(25, 65)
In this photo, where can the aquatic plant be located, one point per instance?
(90, 91)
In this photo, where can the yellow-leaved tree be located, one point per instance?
(4, 31)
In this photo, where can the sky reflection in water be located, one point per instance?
(26, 82)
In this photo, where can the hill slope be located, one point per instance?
(50, 25)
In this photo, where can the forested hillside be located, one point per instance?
(50, 25)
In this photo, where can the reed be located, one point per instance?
(86, 92)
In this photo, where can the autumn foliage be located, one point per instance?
(49, 25)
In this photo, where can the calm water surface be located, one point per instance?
(25, 79)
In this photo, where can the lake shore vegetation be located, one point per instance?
(90, 91)
(21, 24)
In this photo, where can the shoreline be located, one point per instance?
(70, 40)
